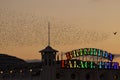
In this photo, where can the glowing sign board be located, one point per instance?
(69, 63)
(90, 64)
(89, 51)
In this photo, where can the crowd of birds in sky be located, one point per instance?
(17, 29)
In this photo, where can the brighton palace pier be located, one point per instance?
(80, 64)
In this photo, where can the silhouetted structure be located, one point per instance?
(12, 68)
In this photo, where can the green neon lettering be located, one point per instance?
(85, 51)
(91, 64)
(91, 51)
(94, 52)
(81, 52)
(82, 65)
(86, 64)
(98, 53)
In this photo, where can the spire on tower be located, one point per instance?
(48, 33)
(48, 49)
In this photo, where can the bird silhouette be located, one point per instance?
(114, 33)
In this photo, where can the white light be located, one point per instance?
(21, 71)
(30, 70)
(11, 72)
(1, 72)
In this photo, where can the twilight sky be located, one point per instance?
(74, 24)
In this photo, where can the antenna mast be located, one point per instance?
(48, 33)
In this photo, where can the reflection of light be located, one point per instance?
(1, 72)
(30, 70)
(11, 72)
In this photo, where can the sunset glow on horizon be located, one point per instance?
(74, 24)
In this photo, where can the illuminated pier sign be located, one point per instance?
(90, 65)
(89, 51)
(69, 63)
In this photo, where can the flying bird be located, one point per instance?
(114, 33)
